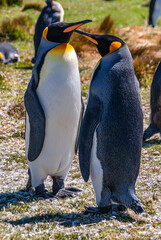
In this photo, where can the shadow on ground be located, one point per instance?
(25, 68)
(72, 219)
(151, 142)
(23, 195)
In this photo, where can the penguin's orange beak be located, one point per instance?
(88, 36)
(69, 29)
(76, 25)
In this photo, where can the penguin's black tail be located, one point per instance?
(150, 131)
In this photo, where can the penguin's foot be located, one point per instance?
(149, 132)
(42, 192)
(137, 208)
(97, 210)
(58, 183)
(118, 208)
(68, 192)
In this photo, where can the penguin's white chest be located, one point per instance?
(59, 93)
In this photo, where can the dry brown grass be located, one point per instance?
(145, 46)
(145, 62)
(107, 25)
(35, 6)
(17, 110)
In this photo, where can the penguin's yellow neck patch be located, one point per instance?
(1, 56)
(62, 49)
(114, 46)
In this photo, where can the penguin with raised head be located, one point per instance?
(154, 12)
(155, 104)
(53, 109)
(51, 13)
(8, 53)
(112, 128)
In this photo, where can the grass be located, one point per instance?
(17, 29)
(35, 6)
(22, 215)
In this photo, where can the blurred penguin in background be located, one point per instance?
(154, 12)
(8, 53)
(52, 12)
(155, 105)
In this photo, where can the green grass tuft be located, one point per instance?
(10, 2)
(16, 29)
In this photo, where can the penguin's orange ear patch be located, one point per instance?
(45, 33)
(114, 46)
(1, 56)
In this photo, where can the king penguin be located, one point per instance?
(155, 104)
(8, 53)
(53, 108)
(111, 133)
(52, 12)
(154, 12)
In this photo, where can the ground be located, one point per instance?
(22, 215)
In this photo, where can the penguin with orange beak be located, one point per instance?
(111, 133)
(53, 109)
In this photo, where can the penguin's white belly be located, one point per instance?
(96, 171)
(59, 93)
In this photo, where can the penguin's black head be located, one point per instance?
(61, 32)
(105, 44)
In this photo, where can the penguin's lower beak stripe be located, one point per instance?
(1, 56)
(91, 39)
(71, 28)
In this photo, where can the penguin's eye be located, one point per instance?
(114, 46)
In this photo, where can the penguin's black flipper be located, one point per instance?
(89, 124)
(79, 125)
(36, 120)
